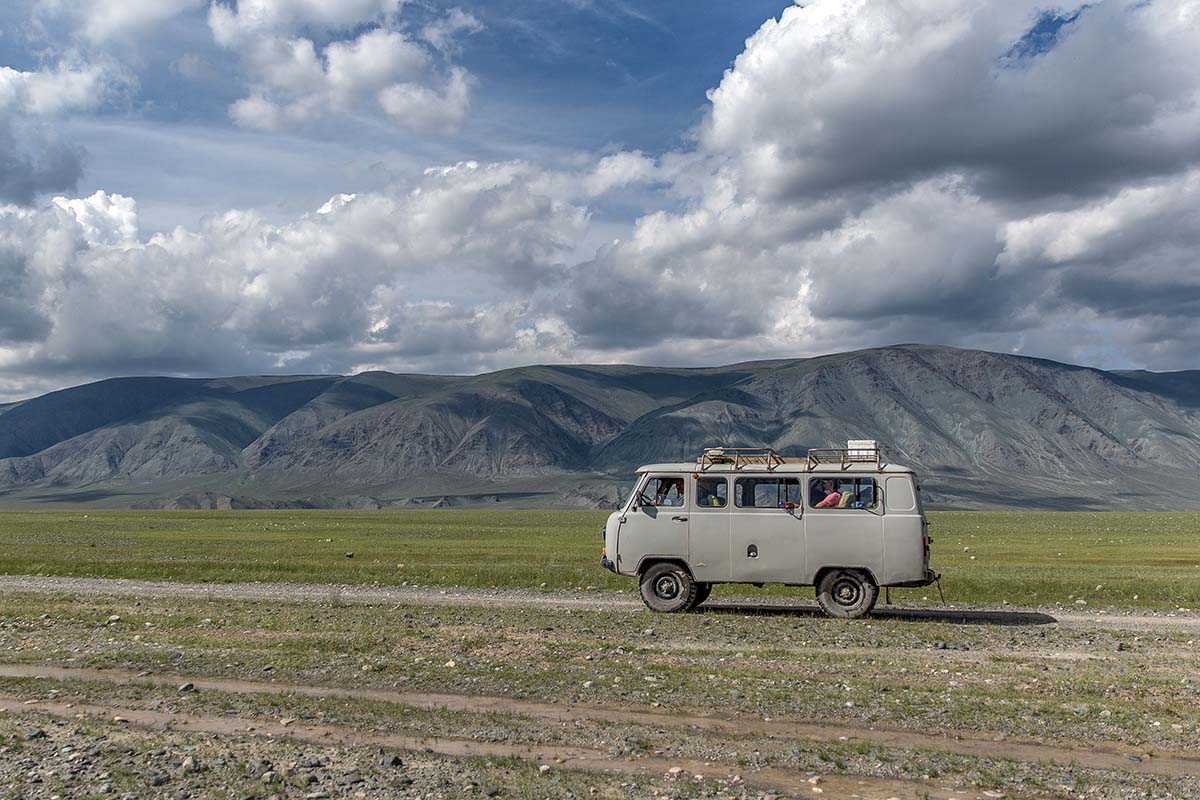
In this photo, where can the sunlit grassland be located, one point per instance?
(1120, 559)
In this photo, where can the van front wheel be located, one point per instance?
(668, 588)
(846, 593)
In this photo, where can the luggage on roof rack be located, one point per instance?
(856, 451)
(739, 457)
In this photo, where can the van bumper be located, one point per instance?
(930, 577)
(608, 564)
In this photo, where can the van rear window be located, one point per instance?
(766, 492)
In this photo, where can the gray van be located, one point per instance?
(841, 520)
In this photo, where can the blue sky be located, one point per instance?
(556, 79)
(202, 187)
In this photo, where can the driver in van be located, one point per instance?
(665, 495)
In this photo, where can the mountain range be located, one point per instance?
(982, 430)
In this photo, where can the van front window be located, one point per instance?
(664, 490)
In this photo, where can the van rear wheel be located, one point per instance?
(846, 593)
(668, 588)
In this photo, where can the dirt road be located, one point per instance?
(590, 760)
(1095, 755)
(1125, 619)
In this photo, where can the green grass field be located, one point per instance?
(1036, 558)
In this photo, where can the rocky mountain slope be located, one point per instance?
(983, 429)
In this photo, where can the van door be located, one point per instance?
(708, 529)
(903, 532)
(847, 533)
(766, 535)
(656, 523)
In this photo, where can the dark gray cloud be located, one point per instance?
(35, 161)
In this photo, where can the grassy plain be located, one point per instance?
(1035, 558)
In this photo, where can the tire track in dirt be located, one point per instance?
(1095, 755)
(580, 759)
(599, 601)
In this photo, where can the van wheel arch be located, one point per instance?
(823, 571)
(650, 561)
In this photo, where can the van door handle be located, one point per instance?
(678, 519)
(752, 551)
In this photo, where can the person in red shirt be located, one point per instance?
(830, 500)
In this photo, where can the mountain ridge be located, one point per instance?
(983, 430)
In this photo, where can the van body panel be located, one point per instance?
(903, 531)
(652, 530)
(768, 537)
(843, 537)
(767, 545)
(708, 540)
(838, 537)
(609, 556)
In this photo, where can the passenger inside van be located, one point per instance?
(832, 499)
(710, 493)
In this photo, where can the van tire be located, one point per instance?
(846, 593)
(668, 588)
(703, 590)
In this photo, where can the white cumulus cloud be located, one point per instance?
(948, 170)
(45, 92)
(366, 278)
(293, 80)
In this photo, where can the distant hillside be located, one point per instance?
(983, 429)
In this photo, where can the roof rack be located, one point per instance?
(739, 457)
(856, 451)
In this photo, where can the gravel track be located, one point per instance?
(570, 758)
(1095, 755)
(1127, 619)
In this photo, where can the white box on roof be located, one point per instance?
(862, 450)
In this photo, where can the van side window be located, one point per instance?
(663, 491)
(899, 496)
(842, 493)
(712, 493)
(766, 492)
